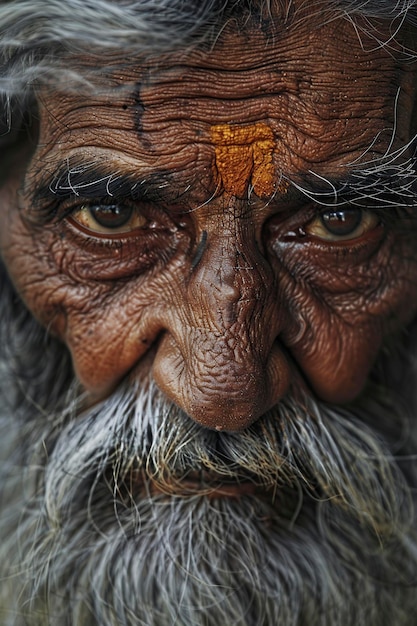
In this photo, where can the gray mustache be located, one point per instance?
(136, 441)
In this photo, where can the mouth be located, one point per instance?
(203, 483)
(210, 489)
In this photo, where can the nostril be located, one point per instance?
(215, 389)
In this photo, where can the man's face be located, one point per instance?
(200, 214)
(221, 238)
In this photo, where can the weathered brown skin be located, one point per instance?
(229, 326)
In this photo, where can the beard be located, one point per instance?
(129, 513)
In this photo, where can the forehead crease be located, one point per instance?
(323, 65)
(187, 117)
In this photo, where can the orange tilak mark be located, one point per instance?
(244, 156)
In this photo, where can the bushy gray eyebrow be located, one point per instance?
(382, 187)
(94, 182)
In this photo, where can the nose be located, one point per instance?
(219, 359)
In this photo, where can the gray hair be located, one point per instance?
(35, 35)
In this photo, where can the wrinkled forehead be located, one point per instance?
(273, 96)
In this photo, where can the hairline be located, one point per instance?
(33, 38)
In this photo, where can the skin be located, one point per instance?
(227, 286)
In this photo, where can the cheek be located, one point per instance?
(111, 338)
(79, 312)
(336, 357)
(31, 268)
(107, 329)
(346, 313)
(28, 265)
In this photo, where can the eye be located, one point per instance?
(108, 219)
(342, 224)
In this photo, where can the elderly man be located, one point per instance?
(208, 301)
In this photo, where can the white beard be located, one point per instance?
(99, 528)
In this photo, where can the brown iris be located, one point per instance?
(342, 222)
(112, 215)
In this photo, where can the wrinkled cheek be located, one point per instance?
(336, 361)
(41, 293)
(109, 341)
(98, 361)
(33, 276)
(347, 313)
(337, 354)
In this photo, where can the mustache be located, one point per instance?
(137, 444)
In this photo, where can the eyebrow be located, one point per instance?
(393, 185)
(92, 182)
(380, 187)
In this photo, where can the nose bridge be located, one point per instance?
(232, 279)
(230, 293)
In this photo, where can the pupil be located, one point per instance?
(112, 215)
(342, 221)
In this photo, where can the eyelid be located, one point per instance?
(51, 207)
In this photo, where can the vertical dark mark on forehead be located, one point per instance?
(138, 107)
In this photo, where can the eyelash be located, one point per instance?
(155, 244)
(291, 236)
(112, 257)
(59, 211)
